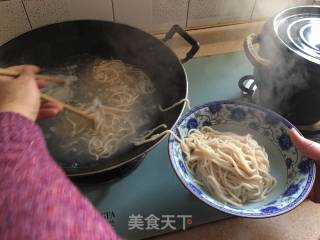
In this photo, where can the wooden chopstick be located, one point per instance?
(69, 107)
(13, 73)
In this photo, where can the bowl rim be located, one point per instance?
(295, 203)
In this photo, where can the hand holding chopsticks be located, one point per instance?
(21, 82)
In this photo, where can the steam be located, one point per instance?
(281, 86)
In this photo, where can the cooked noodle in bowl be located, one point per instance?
(231, 167)
(238, 158)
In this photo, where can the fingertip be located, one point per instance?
(55, 111)
(42, 83)
(47, 113)
(51, 105)
(293, 132)
(30, 69)
(60, 106)
(295, 137)
(292, 129)
(27, 77)
(28, 74)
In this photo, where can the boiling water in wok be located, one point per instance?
(67, 134)
(63, 44)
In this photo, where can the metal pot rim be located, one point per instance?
(292, 36)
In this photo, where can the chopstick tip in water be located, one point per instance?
(69, 108)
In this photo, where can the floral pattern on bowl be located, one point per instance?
(294, 172)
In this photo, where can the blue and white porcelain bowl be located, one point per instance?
(295, 173)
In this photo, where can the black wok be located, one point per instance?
(55, 45)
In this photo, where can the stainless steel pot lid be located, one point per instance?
(299, 29)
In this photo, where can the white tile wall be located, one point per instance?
(13, 20)
(44, 12)
(267, 8)
(130, 12)
(209, 12)
(91, 9)
(151, 15)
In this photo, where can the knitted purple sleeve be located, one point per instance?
(37, 201)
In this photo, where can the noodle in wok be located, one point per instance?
(114, 110)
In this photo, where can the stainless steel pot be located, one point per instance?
(287, 64)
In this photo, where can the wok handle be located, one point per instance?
(253, 56)
(194, 44)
